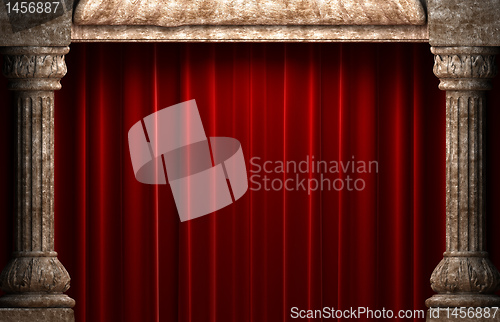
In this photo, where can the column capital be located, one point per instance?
(465, 68)
(34, 68)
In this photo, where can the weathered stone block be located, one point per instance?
(39, 315)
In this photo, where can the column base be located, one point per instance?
(27, 300)
(39, 315)
(463, 300)
(453, 314)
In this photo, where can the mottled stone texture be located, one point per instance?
(34, 278)
(38, 315)
(255, 20)
(250, 33)
(465, 277)
(168, 13)
(56, 32)
(464, 23)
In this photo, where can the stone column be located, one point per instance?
(465, 277)
(34, 279)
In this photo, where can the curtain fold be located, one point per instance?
(131, 259)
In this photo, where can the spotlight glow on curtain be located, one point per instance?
(131, 259)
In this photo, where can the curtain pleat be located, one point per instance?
(131, 259)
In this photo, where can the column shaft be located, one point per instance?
(465, 171)
(35, 175)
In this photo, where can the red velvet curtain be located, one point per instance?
(132, 260)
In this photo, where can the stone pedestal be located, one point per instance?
(38, 315)
(465, 277)
(34, 280)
